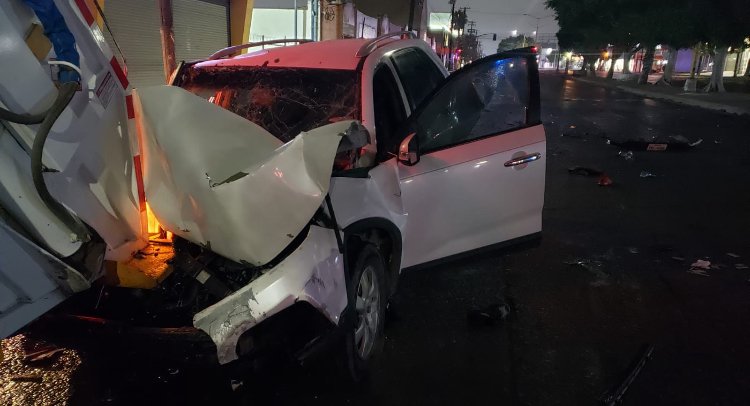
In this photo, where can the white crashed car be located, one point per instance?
(299, 182)
(291, 185)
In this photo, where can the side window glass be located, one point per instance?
(485, 99)
(389, 110)
(418, 73)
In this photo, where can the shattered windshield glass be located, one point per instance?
(284, 101)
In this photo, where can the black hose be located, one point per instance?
(22, 118)
(65, 94)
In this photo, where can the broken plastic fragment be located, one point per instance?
(647, 174)
(700, 267)
(701, 264)
(627, 155)
(657, 147)
(605, 180)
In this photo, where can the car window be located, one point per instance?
(284, 101)
(418, 73)
(389, 109)
(487, 99)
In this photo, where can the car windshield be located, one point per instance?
(284, 101)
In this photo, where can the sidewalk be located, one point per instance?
(733, 103)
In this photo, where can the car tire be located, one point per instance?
(367, 298)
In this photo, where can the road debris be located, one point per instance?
(615, 397)
(46, 354)
(26, 378)
(605, 180)
(647, 174)
(583, 171)
(627, 155)
(701, 264)
(733, 255)
(678, 259)
(633, 250)
(700, 267)
(488, 316)
(656, 143)
(741, 266)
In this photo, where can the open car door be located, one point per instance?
(472, 167)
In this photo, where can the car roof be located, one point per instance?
(332, 54)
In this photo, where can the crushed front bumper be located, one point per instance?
(313, 273)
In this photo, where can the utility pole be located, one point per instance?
(167, 38)
(412, 5)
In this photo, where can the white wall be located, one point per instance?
(269, 24)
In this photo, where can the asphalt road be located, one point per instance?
(573, 329)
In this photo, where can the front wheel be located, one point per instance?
(364, 340)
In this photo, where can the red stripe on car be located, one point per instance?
(119, 72)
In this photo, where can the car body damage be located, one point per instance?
(314, 273)
(221, 181)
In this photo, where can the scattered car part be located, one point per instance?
(605, 180)
(616, 396)
(627, 155)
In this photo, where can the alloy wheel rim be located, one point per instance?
(368, 316)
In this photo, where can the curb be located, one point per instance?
(677, 100)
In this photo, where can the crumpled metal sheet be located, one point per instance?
(216, 179)
(313, 273)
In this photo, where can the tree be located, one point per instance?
(627, 25)
(514, 42)
(583, 26)
(468, 45)
(722, 25)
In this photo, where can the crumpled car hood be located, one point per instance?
(219, 180)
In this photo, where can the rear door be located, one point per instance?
(480, 178)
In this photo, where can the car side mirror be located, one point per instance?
(408, 151)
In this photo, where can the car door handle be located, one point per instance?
(523, 159)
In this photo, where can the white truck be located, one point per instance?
(277, 193)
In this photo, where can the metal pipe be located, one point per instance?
(314, 9)
(295, 19)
